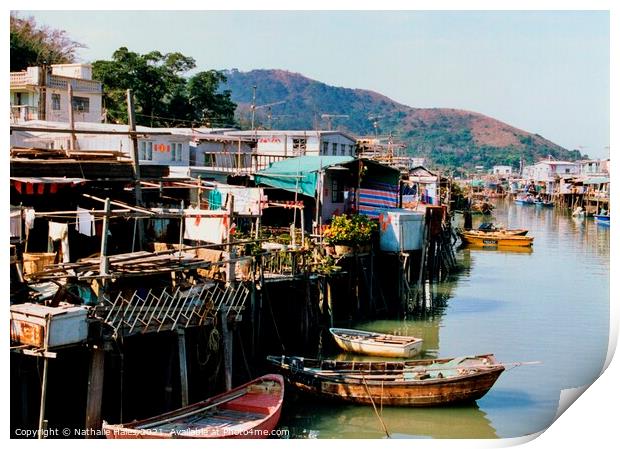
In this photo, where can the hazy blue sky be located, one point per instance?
(544, 72)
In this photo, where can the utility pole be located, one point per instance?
(253, 107)
(134, 153)
(135, 158)
(71, 118)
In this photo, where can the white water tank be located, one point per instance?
(401, 230)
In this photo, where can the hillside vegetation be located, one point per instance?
(446, 137)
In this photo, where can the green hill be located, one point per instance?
(447, 137)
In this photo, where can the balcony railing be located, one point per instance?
(241, 163)
(22, 113)
(23, 79)
(78, 85)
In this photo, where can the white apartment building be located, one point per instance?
(300, 143)
(41, 93)
(548, 170)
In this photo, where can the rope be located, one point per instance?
(375, 407)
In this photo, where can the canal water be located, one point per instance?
(547, 304)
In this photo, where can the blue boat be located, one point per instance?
(524, 199)
(602, 219)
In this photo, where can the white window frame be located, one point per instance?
(145, 152)
(55, 102)
(176, 151)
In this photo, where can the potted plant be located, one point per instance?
(350, 234)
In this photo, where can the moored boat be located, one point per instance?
(524, 199)
(412, 383)
(602, 219)
(490, 227)
(494, 239)
(251, 410)
(374, 343)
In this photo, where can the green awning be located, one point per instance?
(298, 174)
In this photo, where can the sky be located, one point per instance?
(546, 72)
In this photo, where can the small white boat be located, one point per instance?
(374, 343)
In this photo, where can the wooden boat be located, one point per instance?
(543, 203)
(374, 343)
(494, 239)
(412, 383)
(251, 410)
(490, 227)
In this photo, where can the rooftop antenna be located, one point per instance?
(254, 107)
(375, 123)
(329, 118)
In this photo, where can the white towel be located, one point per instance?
(60, 231)
(84, 222)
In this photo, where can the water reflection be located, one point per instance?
(356, 421)
(548, 304)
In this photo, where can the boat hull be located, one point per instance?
(602, 219)
(251, 410)
(394, 385)
(402, 395)
(375, 344)
(495, 239)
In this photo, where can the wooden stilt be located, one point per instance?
(227, 348)
(330, 308)
(42, 421)
(183, 367)
(95, 391)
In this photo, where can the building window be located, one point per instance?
(567, 170)
(325, 148)
(334, 149)
(342, 149)
(146, 151)
(299, 147)
(337, 191)
(176, 152)
(209, 160)
(81, 104)
(351, 151)
(56, 102)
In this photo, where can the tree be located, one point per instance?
(32, 45)
(163, 97)
(215, 108)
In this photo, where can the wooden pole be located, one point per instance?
(134, 140)
(330, 309)
(104, 262)
(42, 421)
(227, 348)
(183, 367)
(181, 230)
(71, 119)
(230, 266)
(135, 158)
(95, 391)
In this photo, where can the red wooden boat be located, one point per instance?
(251, 410)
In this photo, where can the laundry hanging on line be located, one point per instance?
(84, 223)
(59, 232)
